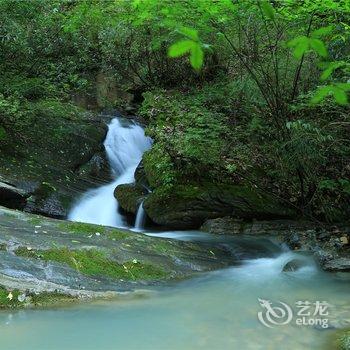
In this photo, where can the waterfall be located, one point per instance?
(140, 218)
(125, 144)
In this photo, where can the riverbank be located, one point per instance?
(329, 244)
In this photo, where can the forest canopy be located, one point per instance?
(252, 92)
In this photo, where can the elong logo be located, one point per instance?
(309, 313)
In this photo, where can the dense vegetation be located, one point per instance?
(244, 92)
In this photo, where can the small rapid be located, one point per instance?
(125, 144)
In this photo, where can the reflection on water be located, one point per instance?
(215, 311)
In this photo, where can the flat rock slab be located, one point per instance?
(19, 230)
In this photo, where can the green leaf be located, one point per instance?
(197, 56)
(268, 9)
(180, 48)
(338, 91)
(344, 86)
(190, 33)
(321, 93)
(340, 96)
(300, 45)
(322, 32)
(319, 46)
(330, 68)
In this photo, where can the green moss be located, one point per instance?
(244, 199)
(91, 229)
(35, 220)
(129, 196)
(81, 227)
(117, 234)
(344, 341)
(3, 246)
(6, 302)
(9, 299)
(96, 263)
(46, 299)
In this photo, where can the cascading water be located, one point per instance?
(125, 144)
(140, 217)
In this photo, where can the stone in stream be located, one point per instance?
(42, 255)
(294, 265)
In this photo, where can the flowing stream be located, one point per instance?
(215, 311)
(218, 310)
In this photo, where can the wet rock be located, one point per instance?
(229, 225)
(189, 206)
(344, 240)
(97, 169)
(39, 245)
(61, 141)
(293, 265)
(140, 176)
(129, 196)
(50, 206)
(46, 201)
(324, 235)
(336, 264)
(12, 197)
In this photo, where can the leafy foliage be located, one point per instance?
(246, 92)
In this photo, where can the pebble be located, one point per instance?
(344, 240)
(21, 298)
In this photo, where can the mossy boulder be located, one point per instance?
(129, 196)
(55, 143)
(188, 206)
(140, 176)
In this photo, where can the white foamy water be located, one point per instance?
(125, 144)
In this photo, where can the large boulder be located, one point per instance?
(58, 145)
(188, 206)
(129, 196)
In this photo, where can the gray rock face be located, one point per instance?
(12, 196)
